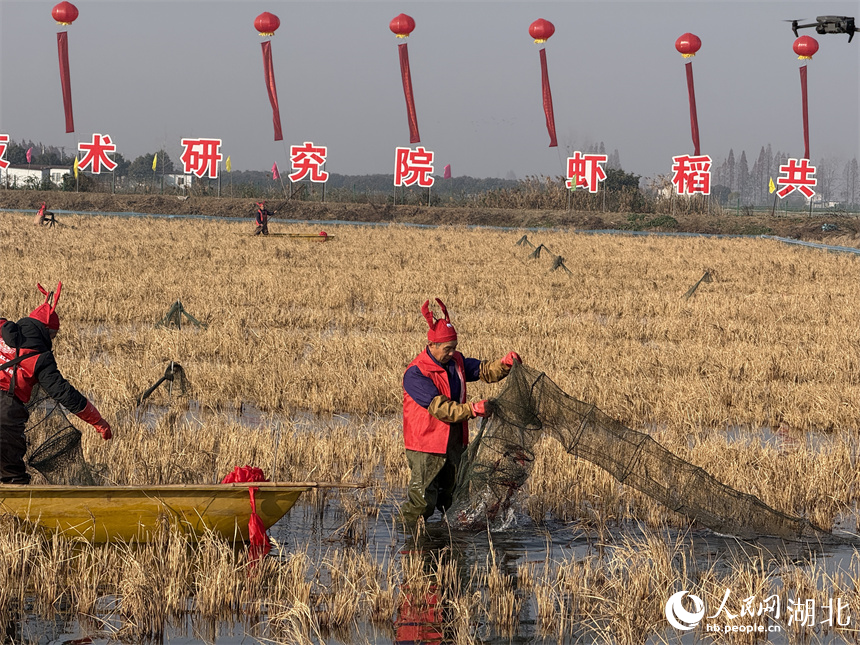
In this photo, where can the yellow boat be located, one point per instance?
(137, 513)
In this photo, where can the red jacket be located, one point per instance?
(31, 336)
(421, 431)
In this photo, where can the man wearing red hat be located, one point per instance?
(436, 414)
(262, 219)
(26, 358)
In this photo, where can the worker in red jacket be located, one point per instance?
(26, 358)
(262, 219)
(436, 414)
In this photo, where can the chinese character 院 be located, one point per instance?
(4, 140)
(586, 170)
(200, 156)
(411, 166)
(692, 175)
(308, 158)
(96, 154)
(799, 175)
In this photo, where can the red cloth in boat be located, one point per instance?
(260, 544)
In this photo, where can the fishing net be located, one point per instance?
(530, 406)
(54, 444)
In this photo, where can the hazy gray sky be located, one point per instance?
(151, 73)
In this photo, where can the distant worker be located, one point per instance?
(262, 219)
(44, 217)
(26, 358)
(436, 414)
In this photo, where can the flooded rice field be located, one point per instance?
(357, 577)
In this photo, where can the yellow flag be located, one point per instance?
(229, 165)
(76, 167)
(771, 187)
(154, 161)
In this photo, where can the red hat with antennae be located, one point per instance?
(441, 330)
(45, 312)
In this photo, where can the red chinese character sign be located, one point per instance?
(266, 24)
(799, 175)
(4, 141)
(805, 48)
(413, 167)
(585, 171)
(95, 154)
(688, 44)
(692, 175)
(402, 26)
(201, 156)
(308, 159)
(65, 13)
(541, 30)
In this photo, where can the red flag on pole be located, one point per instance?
(269, 71)
(547, 100)
(406, 75)
(275, 174)
(65, 78)
(805, 112)
(447, 172)
(694, 119)
(29, 155)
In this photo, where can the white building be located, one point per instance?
(32, 175)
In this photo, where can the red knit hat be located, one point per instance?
(45, 312)
(441, 330)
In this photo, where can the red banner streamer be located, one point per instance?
(269, 70)
(694, 120)
(547, 100)
(805, 112)
(414, 137)
(65, 78)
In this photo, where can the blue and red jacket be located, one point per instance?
(425, 379)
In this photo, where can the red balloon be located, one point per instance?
(688, 44)
(65, 13)
(266, 23)
(402, 25)
(541, 30)
(805, 47)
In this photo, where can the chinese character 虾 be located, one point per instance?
(798, 176)
(308, 158)
(692, 175)
(200, 156)
(586, 171)
(411, 166)
(95, 154)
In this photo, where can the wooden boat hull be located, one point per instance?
(138, 513)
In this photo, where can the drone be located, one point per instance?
(829, 25)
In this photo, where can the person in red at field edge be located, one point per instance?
(26, 358)
(436, 414)
(262, 219)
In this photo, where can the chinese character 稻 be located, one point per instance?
(692, 175)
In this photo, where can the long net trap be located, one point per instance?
(530, 405)
(54, 444)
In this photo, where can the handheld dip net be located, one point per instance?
(54, 444)
(499, 459)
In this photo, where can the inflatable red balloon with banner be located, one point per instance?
(402, 26)
(266, 24)
(65, 13)
(687, 45)
(541, 30)
(805, 48)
